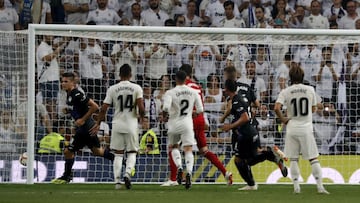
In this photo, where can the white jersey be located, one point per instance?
(47, 71)
(179, 102)
(104, 17)
(123, 96)
(299, 100)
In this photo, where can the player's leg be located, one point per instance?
(132, 147)
(310, 152)
(292, 150)
(188, 140)
(118, 146)
(245, 149)
(173, 170)
(199, 126)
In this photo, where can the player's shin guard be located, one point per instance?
(245, 172)
(108, 155)
(215, 161)
(117, 166)
(316, 172)
(173, 168)
(176, 157)
(130, 162)
(295, 173)
(189, 161)
(68, 167)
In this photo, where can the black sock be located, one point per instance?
(68, 166)
(108, 155)
(245, 172)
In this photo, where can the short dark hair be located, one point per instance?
(231, 71)
(125, 70)
(229, 3)
(70, 75)
(187, 69)
(296, 74)
(180, 76)
(230, 85)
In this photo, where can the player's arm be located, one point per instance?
(101, 117)
(198, 104)
(244, 118)
(93, 107)
(279, 113)
(141, 107)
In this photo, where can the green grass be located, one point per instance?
(105, 193)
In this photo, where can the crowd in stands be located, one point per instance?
(332, 69)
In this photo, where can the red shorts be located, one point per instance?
(199, 130)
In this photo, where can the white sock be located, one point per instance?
(176, 157)
(316, 172)
(295, 173)
(130, 162)
(117, 166)
(189, 161)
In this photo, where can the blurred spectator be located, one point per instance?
(215, 13)
(154, 16)
(178, 7)
(111, 4)
(281, 77)
(348, 21)
(237, 57)
(152, 105)
(191, 18)
(256, 83)
(69, 60)
(355, 92)
(309, 58)
(261, 21)
(48, 72)
(76, 11)
(9, 18)
(103, 133)
(92, 69)
(265, 126)
(306, 4)
(202, 8)
(128, 7)
(297, 18)
(353, 53)
(280, 12)
(156, 65)
(124, 53)
(8, 138)
(327, 74)
(204, 59)
(57, 11)
(262, 62)
(213, 88)
(164, 85)
(149, 143)
(134, 18)
(335, 11)
(103, 15)
(249, 16)
(315, 20)
(356, 137)
(325, 127)
(230, 19)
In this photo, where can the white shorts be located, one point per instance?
(124, 141)
(300, 141)
(185, 135)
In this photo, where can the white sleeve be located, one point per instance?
(167, 102)
(198, 103)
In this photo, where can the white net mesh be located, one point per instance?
(155, 54)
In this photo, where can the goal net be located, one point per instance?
(33, 105)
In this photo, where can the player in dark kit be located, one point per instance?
(246, 141)
(81, 109)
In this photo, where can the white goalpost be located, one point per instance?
(159, 51)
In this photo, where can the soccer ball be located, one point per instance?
(23, 159)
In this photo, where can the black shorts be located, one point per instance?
(245, 146)
(83, 138)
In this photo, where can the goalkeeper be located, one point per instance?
(82, 109)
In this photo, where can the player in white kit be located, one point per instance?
(300, 102)
(179, 103)
(127, 99)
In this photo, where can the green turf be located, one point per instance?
(105, 193)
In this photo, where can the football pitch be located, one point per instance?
(210, 193)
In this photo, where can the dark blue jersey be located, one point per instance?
(246, 91)
(240, 105)
(78, 102)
